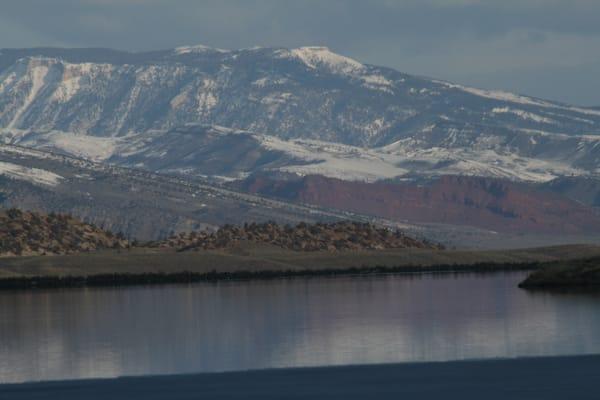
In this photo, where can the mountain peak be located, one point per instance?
(199, 48)
(319, 56)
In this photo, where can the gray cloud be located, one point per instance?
(493, 43)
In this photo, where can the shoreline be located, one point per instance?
(556, 377)
(153, 267)
(186, 277)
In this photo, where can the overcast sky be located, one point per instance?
(545, 48)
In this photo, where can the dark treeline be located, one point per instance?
(128, 279)
(581, 274)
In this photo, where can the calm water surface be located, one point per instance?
(80, 333)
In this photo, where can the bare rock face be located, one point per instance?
(336, 236)
(499, 205)
(30, 233)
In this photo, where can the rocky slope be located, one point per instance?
(302, 237)
(29, 233)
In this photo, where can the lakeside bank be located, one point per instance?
(156, 266)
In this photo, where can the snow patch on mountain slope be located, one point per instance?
(77, 77)
(12, 136)
(588, 111)
(572, 117)
(206, 96)
(399, 160)
(358, 164)
(322, 57)
(516, 98)
(66, 89)
(198, 49)
(83, 146)
(526, 115)
(314, 57)
(376, 126)
(377, 82)
(180, 99)
(485, 157)
(489, 163)
(33, 175)
(264, 82)
(505, 96)
(7, 80)
(334, 160)
(497, 95)
(274, 101)
(37, 74)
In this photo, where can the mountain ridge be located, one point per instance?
(101, 99)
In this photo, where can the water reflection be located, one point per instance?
(282, 323)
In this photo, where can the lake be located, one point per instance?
(226, 326)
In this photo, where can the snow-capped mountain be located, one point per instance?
(204, 111)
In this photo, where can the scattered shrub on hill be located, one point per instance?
(31, 233)
(303, 237)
